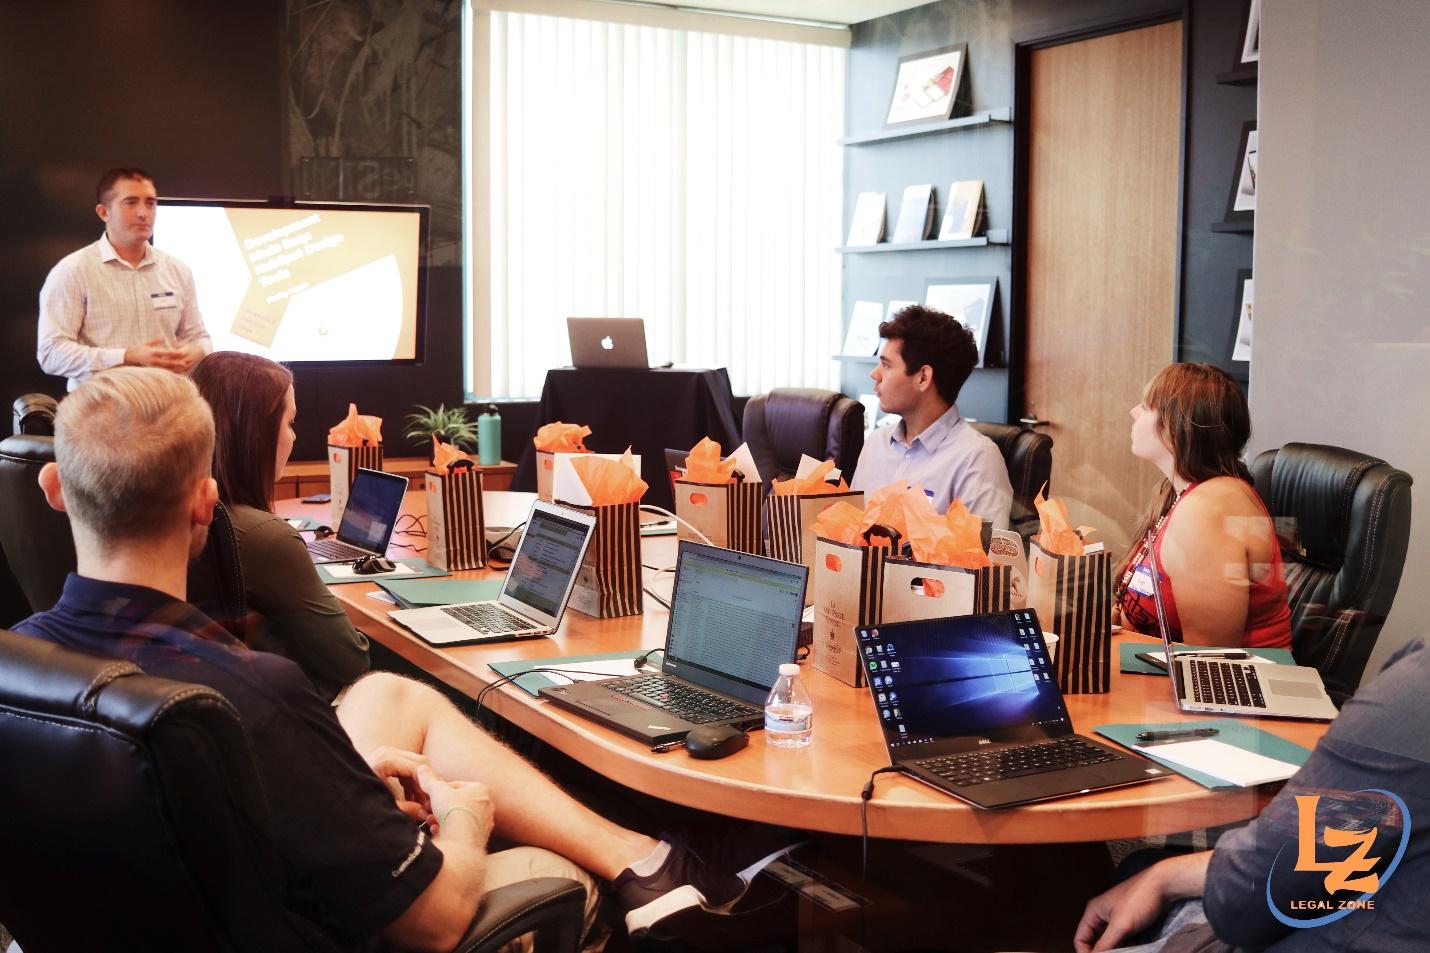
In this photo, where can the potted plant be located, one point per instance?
(449, 425)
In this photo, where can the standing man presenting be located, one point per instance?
(926, 358)
(120, 300)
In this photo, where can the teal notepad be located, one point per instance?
(421, 569)
(534, 682)
(1229, 731)
(302, 523)
(419, 593)
(1129, 662)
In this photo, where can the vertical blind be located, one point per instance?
(690, 179)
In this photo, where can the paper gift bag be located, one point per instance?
(546, 462)
(1073, 598)
(847, 583)
(609, 581)
(789, 522)
(727, 513)
(343, 464)
(456, 535)
(993, 589)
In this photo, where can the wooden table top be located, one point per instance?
(817, 788)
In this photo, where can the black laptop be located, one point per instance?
(971, 706)
(734, 619)
(371, 514)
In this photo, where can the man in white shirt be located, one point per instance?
(120, 300)
(926, 358)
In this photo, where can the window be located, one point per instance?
(687, 178)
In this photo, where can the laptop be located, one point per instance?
(970, 705)
(366, 528)
(534, 594)
(1232, 687)
(607, 342)
(734, 619)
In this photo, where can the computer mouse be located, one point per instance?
(372, 565)
(709, 742)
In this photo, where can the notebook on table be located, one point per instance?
(734, 619)
(534, 594)
(1237, 687)
(367, 524)
(970, 706)
(607, 342)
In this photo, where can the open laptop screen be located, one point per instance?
(373, 505)
(549, 555)
(734, 619)
(967, 678)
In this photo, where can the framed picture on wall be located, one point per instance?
(1241, 344)
(1241, 205)
(1251, 36)
(969, 301)
(926, 87)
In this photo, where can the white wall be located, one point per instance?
(1341, 351)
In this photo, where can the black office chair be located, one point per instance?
(790, 421)
(37, 543)
(35, 414)
(1344, 522)
(132, 818)
(1028, 455)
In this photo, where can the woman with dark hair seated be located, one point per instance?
(1220, 562)
(253, 408)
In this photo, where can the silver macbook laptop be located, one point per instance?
(368, 521)
(534, 594)
(607, 342)
(1230, 687)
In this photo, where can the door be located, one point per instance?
(1104, 139)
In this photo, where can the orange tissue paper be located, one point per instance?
(444, 455)
(704, 465)
(1057, 535)
(356, 430)
(609, 482)
(958, 542)
(841, 523)
(811, 484)
(557, 437)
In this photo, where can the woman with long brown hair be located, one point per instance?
(254, 408)
(1220, 562)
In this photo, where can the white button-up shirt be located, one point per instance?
(950, 460)
(95, 304)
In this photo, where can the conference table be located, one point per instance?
(816, 788)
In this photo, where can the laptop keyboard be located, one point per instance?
(1221, 684)
(1001, 764)
(332, 549)
(489, 618)
(695, 705)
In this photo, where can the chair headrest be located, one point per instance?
(797, 417)
(1316, 485)
(35, 413)
(26, 448)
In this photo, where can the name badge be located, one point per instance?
(164, 300)
(1141, 581)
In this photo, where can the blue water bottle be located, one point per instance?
(489, 437)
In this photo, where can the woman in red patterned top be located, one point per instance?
(1221, 575)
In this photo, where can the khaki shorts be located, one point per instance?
(525, 863)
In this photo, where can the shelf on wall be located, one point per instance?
(857, 359)
(1242, 227)
(995, 236)
(1241, 76)
(986, 118)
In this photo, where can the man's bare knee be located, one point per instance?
(382, 708)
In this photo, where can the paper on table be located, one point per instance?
(382, 596)
(345, 571)
(1221, 760)
(581, 671)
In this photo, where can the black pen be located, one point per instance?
(1179, 733)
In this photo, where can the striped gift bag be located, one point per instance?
(728, 514)
(1073, 598)
(343, 465)
(608, 584)
(456, 535)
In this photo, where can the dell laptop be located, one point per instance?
(366, 528)
(607, 342)
(1236, 687)
(971, 706)
(734, 619)
(534, 594)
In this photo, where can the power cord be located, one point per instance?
(500, 556)
(864, 797)
(651, 508)
(638, 663)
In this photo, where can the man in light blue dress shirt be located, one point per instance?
(926, 358)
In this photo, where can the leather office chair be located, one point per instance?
(1029, 457)
(37, 543)
(35, 414)
(133, 819)
(789, 421)
(1351, 513)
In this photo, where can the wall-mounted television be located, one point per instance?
(305, 282)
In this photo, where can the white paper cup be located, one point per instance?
(1050, 639)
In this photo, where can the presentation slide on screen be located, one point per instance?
(301, 284)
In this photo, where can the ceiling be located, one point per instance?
(843, 12)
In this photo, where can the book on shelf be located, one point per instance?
(863, 337)
(916, 215)
(867, 226)
(963, 217)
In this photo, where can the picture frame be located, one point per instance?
(928, 86)
(1241, 335)
(1241, 203)
(1251, 34)
(970, 301)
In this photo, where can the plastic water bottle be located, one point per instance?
(789, 713)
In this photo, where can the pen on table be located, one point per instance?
(1179, 733)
